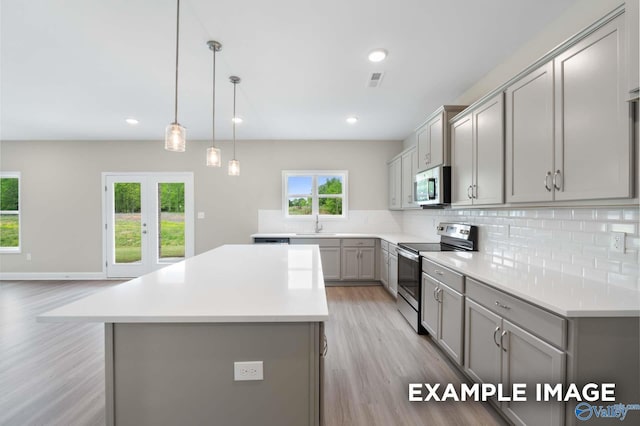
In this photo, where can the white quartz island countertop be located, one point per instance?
(390, 237)
(232, 283)
(563, 294)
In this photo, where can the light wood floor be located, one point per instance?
(53, 374)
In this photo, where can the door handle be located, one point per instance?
(556, 177)
(546, 181)
(469, 194)
(504, 333)
(474, 191)
(435, 294)
(495, 332)
(144, 231)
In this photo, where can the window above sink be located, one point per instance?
(307, 194)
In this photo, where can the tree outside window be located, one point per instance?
(9, 212)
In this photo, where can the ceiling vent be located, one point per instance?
(375, 79)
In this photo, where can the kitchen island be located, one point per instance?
(172, 338)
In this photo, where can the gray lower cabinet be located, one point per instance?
(393, 272)
(330, 257)
(384, 267)
(442, 313)
(499, 351)
(358, 259)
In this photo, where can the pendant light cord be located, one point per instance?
(235, 83)
(177, 51)
(213, 116)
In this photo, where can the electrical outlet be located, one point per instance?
(617, 242)
(200, 215)
(247, 370)
(29, 256)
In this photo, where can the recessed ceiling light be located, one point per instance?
(377, 55)
(352, 120)
(237, 120)
(131, 121)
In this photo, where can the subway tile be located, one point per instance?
(563, 214)
(602, 239)
(570, 269)
(609, 214)
(594, 226)
(583, 237)
(594, 274)
(632, 243)
(631, 214)
(551, 224)
(581, 260)
(608, 265)
(628, 228)
(544, 214)
(631, 269)
(572, 225)
(561, 235)
(595, 251)
(552, 265)
(534, 223)
(561, 256)
(584, 214)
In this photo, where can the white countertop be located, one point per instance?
(564, 294)
(233, 283)
(392, 238)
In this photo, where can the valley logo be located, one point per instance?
(585, 411)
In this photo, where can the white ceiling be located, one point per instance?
(75, 69)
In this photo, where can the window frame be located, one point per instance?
(15, 250)
(315, 197)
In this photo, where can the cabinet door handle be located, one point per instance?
(557, 176)
(474, 191)
(500, 305)
(495, 332)
(325, 345)
(469, 194)
(504, 333)
(546, 181)
(435, 294)
(439, 272)
(439, 298)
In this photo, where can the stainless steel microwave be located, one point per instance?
(433, 187)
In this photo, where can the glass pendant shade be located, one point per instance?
(234, 168)
(214, 157)
(175, 138)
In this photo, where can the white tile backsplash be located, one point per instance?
(572, 240)
(358, 221)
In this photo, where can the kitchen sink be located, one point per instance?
(314, 234)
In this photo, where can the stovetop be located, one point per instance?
(418, 247)
(453, 237)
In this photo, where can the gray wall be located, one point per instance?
(58, 174)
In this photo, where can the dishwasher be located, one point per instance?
(274, 240)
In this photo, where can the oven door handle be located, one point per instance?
(407, 254)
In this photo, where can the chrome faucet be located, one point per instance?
(318, 226)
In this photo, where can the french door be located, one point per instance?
(148, 221)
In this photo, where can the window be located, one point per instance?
(9, 212)
(311, 193)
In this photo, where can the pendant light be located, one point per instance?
(175, 134)
(214, 158)
(234, 165)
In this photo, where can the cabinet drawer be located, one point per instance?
(358, 242)
(384, 245)
(322, 242)
(544, 324)
(444, 275)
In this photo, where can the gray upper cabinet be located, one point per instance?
(529, 137)
(432, 139)
(568, 124)
(633, 37)
(593, 144)
(395, 184)
(409, 169)
(477, 151)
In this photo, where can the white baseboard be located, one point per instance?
(20, 276)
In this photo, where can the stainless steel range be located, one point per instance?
(453, 237)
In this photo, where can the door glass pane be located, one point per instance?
(9, 230)
(127, 220)
(171, 221)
